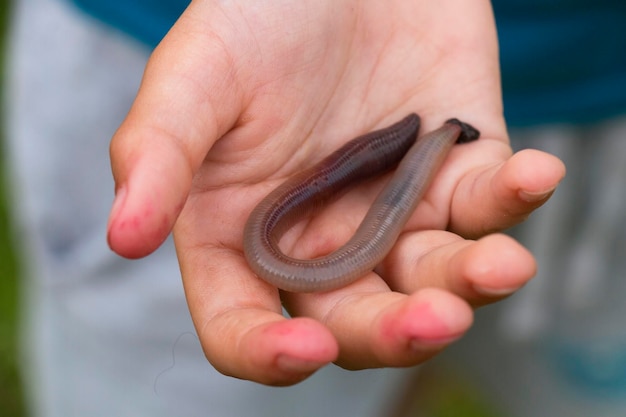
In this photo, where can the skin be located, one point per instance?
(241, 95)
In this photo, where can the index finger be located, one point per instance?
(186, 101)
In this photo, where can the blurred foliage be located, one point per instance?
(11, 400)
(445, 391)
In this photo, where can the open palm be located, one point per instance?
(241, 95)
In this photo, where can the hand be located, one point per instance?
(239, 96)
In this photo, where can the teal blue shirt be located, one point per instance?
(562, 60)
(145, 20)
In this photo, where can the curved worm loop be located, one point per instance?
(361, 158)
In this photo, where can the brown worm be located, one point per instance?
(361, 158)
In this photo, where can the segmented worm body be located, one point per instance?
(363, 157)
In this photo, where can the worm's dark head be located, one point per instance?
(468, 132)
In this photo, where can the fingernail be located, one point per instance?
(418, 344)
(118, 203)
(533, 197)
(433, 322)
(296, 365)
(494, 292)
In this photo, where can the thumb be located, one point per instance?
(184, 104)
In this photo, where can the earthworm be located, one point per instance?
(367, 155)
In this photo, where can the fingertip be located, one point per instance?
(497, 266)
(283, 352)
(535, 174)
(430, 316)
(305, 346)
(421, 325)
(505, 194)
(136, 230)
(305, 337)
(147, 205)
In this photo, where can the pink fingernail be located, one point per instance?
(426, 325)
(419, 344)
(118, 203)
(494, 292)
(533, 197)
(296, 365)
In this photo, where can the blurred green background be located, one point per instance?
(11, 399)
